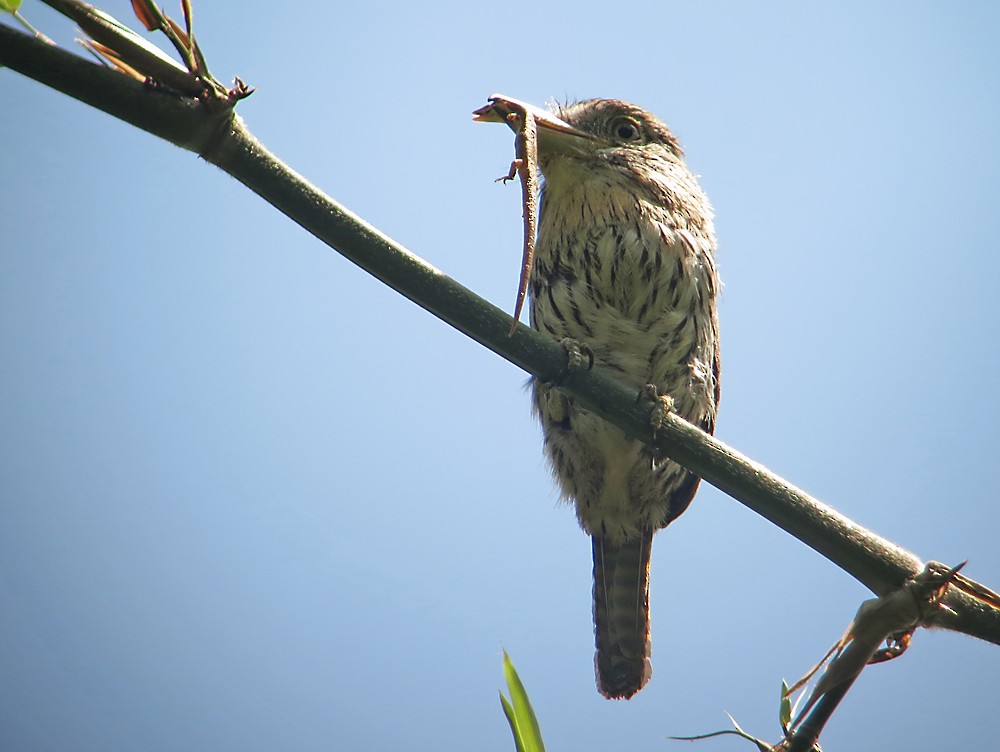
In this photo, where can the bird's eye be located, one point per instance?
(626, 129)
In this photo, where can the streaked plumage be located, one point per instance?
(624, 264)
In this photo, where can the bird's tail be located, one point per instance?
(621, 615)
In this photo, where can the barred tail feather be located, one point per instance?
(621, 615)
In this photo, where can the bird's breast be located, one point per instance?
(618, 275)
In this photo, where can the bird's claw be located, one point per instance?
(575, 352)
(579, 357)
(663, 405)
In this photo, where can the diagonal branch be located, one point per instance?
(220, 137)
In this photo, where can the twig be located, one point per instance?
(890, 619)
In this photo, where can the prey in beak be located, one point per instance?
(551, 130)
(530, 124)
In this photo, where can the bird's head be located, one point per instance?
(596, 137)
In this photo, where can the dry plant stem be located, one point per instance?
(220, 138)
(108, 32)
(878, 620)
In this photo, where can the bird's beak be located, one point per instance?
(554, 135)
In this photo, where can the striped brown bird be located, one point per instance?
(624, 264)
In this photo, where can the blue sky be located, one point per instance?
(251, 499)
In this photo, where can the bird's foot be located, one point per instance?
(663, 405)
(575, 354)
(579, 357)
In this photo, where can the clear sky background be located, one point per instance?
(250, 499)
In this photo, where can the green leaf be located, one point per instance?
(508, 711)
(785, 709)
(10, 6)
(520, 716)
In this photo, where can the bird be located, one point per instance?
(624, 265)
